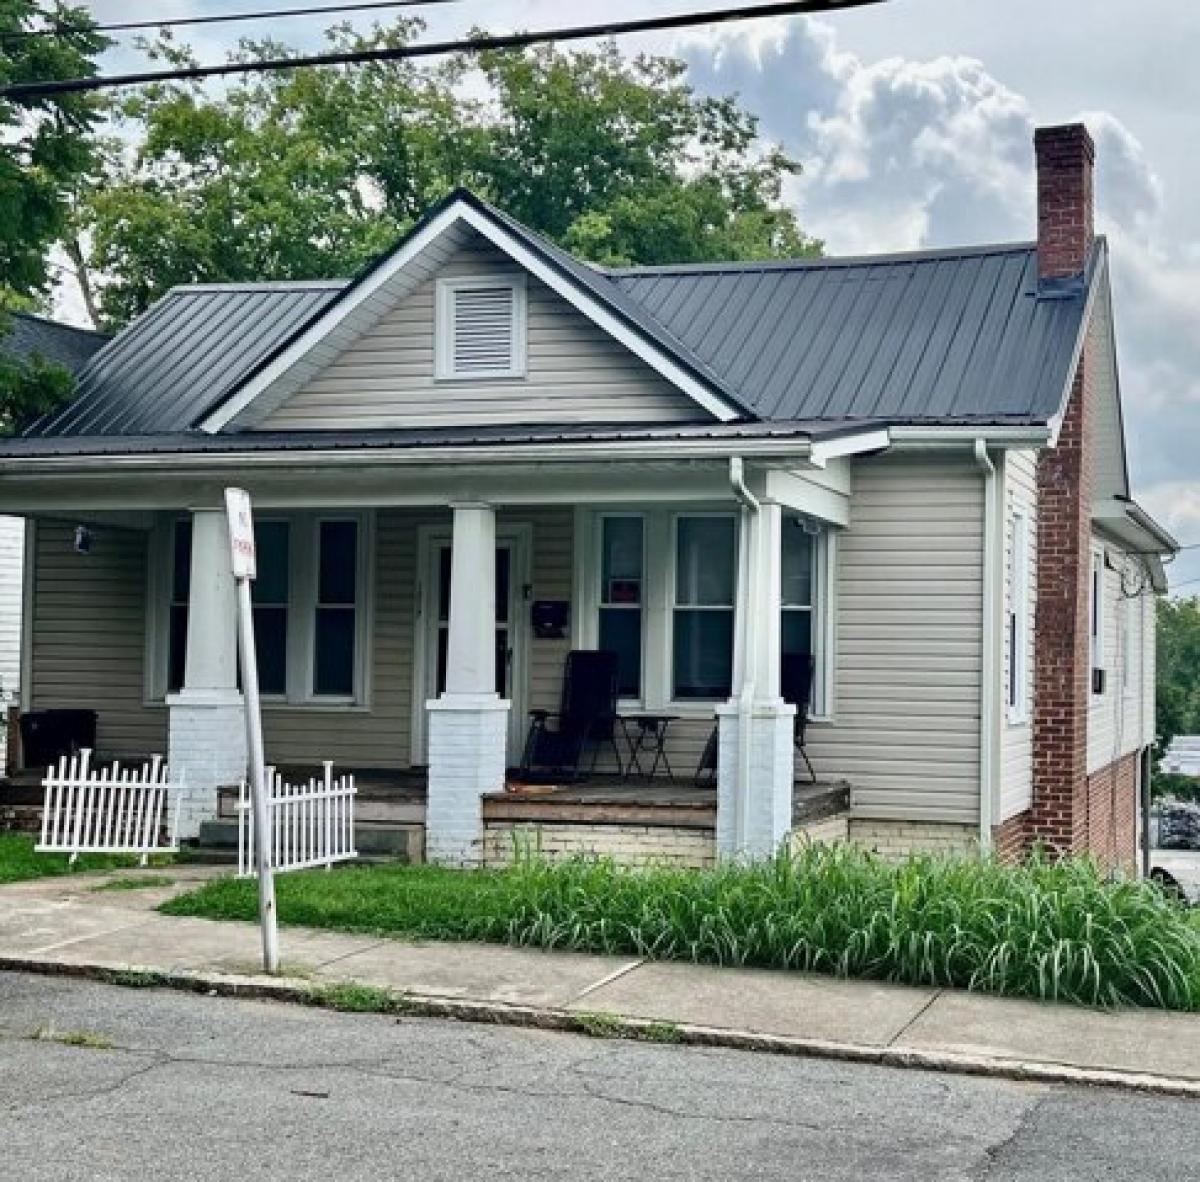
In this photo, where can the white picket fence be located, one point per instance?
(109, 810)
(309, 824)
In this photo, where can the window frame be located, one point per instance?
(642, 606)
(671, 590)
(1016, 691)
(1096, 629)
(444, 326)
(820, 610)
(303, 573)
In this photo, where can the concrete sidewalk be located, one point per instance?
(69, 925)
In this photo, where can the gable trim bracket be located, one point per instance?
(460, 210)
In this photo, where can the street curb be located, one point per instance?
(606, 1025)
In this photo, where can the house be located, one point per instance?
(29, 336)
(1182, 757)
(910, 468)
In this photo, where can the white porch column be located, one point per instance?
(468, 724)
(207, 731)
(755, 761)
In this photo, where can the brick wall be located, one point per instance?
(898, 839)
(1112, 813)
(631, 845)
(1011, 838)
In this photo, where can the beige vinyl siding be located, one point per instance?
(1016, 737)
(576, 372)
(88, 635)
(908, 626)
(12, 567)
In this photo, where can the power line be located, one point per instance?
(58, 28)
(28, 90)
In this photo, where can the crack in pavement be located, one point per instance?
(377, 1068)
(990, 1159)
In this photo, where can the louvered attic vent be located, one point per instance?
(481, 328)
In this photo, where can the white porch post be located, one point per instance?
(207, 733)
(468, 724)
(755, 761)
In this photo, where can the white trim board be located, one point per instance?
(337, 325)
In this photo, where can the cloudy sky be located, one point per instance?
(914, 120)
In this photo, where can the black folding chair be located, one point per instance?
(587, 716)
(795, 687)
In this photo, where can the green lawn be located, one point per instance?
(1055, 931)
(19, 861)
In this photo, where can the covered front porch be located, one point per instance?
(410, 620)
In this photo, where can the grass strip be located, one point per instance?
(19, 861)
(1058, 931)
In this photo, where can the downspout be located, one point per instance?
(750, 508)
(987, 695)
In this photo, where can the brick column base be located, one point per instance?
(468, 737)
(768, 797)
(206, 749)
(1012, 839)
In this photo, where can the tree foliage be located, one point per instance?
(310, 173)
(1178, 669)
(46, 146)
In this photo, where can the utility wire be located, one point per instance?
(29, 90)
(58, 29)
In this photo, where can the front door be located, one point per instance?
(510, 590)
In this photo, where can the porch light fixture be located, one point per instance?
(83, 540)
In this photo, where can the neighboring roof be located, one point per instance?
(189, 350)
(36, 336)
(946, 337)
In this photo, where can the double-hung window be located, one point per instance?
(799, 633)
(336, 609)
(308, 602)
(702, 608)
(622, 563)
(1097, 622)
(269, 595)
(1017, 620)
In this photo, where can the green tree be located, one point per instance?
(1178, 669)
(45, 149)
(310, 173)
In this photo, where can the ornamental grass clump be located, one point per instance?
(1054, 930)
(1061, 931)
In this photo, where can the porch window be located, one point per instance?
(336, 609)
(309, 601)
(269, 595)
(622, 562)
(798, 593)
(703, 607)
(181, 582)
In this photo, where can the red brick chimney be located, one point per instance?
(1066, 160)
(1062, 673)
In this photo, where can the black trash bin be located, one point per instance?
(46, 735)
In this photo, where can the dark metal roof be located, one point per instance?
(960, 336)
(189, 350)
(937, 335)
(35, 336)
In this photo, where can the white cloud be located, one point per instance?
(901, 153)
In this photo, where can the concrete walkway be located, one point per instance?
(71, 925)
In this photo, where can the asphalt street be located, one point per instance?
(102, 1082)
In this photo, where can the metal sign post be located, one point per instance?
(243, 558)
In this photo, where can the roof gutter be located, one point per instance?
(791, 447)
(923, 438)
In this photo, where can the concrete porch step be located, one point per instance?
(402, 843)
